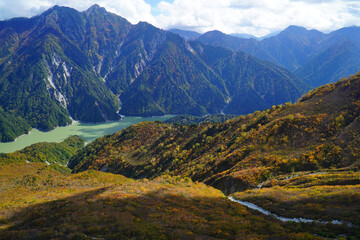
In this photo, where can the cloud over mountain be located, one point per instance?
(257, 17)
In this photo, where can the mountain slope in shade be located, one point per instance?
(316, 57)
(336, 57)
(162, 75)
(320, 132)
(293, 46)
(249, 46)
(175, 82)
(290, 48)
(351, 34)
(252, 84)
(11, 126)
(200, 79)
(335, 62)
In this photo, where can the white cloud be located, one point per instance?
(132, 10)
(258, 17)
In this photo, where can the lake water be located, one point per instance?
(88, 131)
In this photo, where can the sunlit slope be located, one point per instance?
(38, 202)
(318, 133)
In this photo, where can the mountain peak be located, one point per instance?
(215, 32)
(302, 33)
(95, 6)
(95, 9)
(294, 29)
(55, 7)
(56, 11)
(52, 9)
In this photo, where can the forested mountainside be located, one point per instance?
(313, 56)
(252, 84)
(335, 62)
(47, 65)
(11, 126)
(49, 153)
(64, 63)
(321, 131)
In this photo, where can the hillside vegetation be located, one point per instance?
(50, 153)
(11, 126)
(318, 133)
(188, 119)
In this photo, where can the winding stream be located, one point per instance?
(285, 219)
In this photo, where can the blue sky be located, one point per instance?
(155, 11)
(154, 3)
(256, 17)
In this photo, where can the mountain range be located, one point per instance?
(88, 65)
(313, 56)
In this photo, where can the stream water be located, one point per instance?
(285, 219)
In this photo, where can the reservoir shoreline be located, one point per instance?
(88, 131)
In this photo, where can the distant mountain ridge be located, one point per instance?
(333, 63)
(300, 50)
(67, 64)
(188, 35)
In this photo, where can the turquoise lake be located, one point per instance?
(88, 131)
